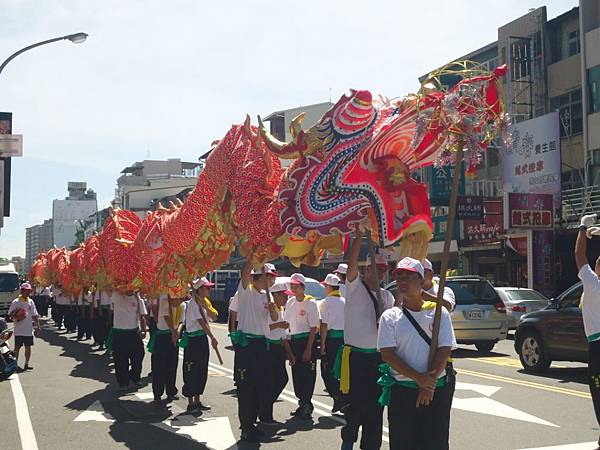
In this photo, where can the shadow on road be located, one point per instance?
(564, 375)
(462, 352)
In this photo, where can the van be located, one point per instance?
(9, 287)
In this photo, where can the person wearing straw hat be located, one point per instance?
(254, 309)
(430, 288)
(341, 271)
(418, 397)
(332, 336)
(302, 313)
(23, 313)
(278, 350)
(164, 349)
(129, 329)
(195, 332)
(357, 363)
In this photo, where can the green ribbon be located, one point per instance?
(240, 338)
(386, 381)
(335, 334)
(152, 340)
(185, 337)
(300, 335)
(109, 338)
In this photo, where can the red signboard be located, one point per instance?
(488, 230)
(529, 210)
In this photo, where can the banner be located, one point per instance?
(532, 163)
(469, 208)
(543, 255)
(488, 230)
(528, 211)
(440, 184)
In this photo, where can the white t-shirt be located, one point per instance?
(448, 294)
(24, 327)
(395, 330)
(360, 327)
(278, 333)
(342, 290)
(46, 291)
(591, 306)
(302, 316)
(127, 311)
(60, 298)
(163, 310)
(332, 312)
(105, 299)
(233, 305)
(191, 316)
(84, 299)
(253, 311)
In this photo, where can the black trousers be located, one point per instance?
(363, 408)
(195, 366)
(327, 361)
(41, 304)
(251, 383)
(58, 314)
(423, 428)
(100, 325)
(276, 377)
(594, 376)
(70, 317)
(304, 374)
(128, 354)
(84, 321)
(165, 358)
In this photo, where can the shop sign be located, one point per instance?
(469, 207)
(528, 211)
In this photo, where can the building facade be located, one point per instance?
(38, 238)
(69, 214)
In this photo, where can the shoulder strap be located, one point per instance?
(415, 324)
(373, 299)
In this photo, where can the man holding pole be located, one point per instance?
(418, 398)
(591, 306)
(358, 368)
(254, 309)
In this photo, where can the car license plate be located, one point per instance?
(475, 314)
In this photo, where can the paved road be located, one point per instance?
(69, 401)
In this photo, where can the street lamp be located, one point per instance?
(76, 38)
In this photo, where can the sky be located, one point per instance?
(165, 79)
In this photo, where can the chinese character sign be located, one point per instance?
(488, 230)
(528, 210)
(532, 163)
(440, 184)
(469, 208)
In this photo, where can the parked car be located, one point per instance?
(479, 317)
(519, 301)
(554, 333)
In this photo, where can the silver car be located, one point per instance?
(479, 317)
(519, 301)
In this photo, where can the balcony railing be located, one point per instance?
(579, 201)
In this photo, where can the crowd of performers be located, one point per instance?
(373, 347)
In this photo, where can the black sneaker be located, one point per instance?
(249, 436)
(306, 413)
(190, 409)
(257, 431)
(203, 407)
(297, 412)
(270, 423)
(20, 369)
(27, 367)
(173, 397)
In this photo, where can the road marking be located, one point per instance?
(483, 389)
(28, 440)
(488, 406)
(94, 413)
(506, 361)
(543, 387)
(215, 432)
(582, 446)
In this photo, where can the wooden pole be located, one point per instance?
(375, 273)
(446, 254)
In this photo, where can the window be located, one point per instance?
(573, 43)
(572, 298)
(471, 292)
(594, 88)
(520, 59)
(571, 112)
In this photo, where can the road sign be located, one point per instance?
(11, 145)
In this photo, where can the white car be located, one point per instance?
(520, 301)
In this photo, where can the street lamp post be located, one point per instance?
(76, 38)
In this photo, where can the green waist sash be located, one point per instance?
(185, 337)
(335, 334)
(109, 337)
(593, 337)
(152, 340)
(387, 380)
(300, 335)
(240, 338)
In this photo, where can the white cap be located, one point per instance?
(201, 282)
(268, 269)
(281, 287)
(332, 280)
(380, 260)
(427, 265)
(410, 265)
(297, 278)
(341, 268)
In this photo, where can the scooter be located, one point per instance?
(8, 361)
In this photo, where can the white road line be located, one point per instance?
(28, 441)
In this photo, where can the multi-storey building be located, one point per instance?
(38, 238)
(69, 213)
